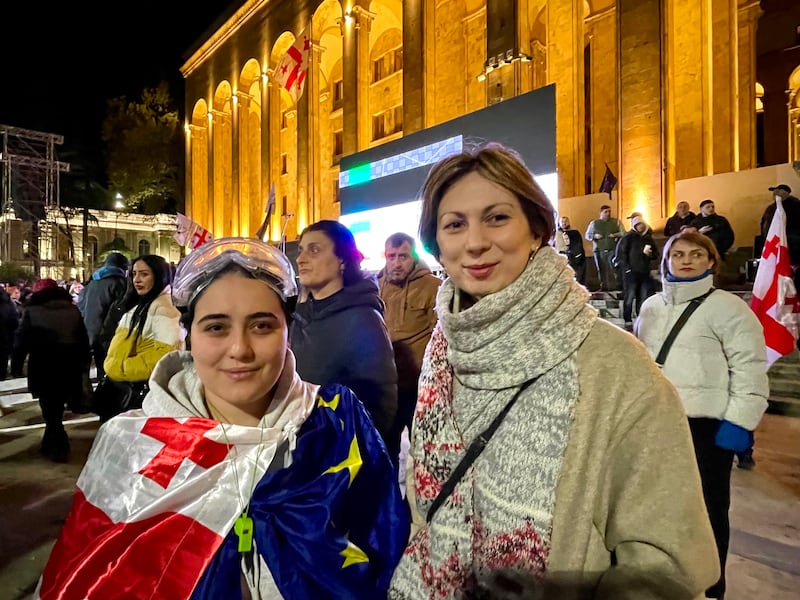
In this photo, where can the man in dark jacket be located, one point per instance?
(53, 336)
(680, 220)
(636, 252)
(108, 284)
(569, 242)
(791, 206)
(715, 226)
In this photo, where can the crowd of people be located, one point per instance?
(252, 415)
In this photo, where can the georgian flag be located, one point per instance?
(155, 501)
(775, 299)
(153, 516)
(190, 232)
(291, 71)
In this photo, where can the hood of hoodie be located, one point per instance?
(361, 293)
(107, 271)
(176, 391)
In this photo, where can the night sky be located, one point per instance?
(62, 61)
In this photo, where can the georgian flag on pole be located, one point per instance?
(267, 214)
(775, 299)
(190, 232)
(291, 71)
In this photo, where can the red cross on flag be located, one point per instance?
(291, 71)
(153, 504)
(190, 232)
(775, 299)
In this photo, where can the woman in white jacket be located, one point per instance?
(718, 364)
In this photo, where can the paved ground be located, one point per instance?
(35, 496)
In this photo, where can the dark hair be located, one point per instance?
(161, 279)
(497, 164)
(398, 239)
(706, 201)
(344, 247)
(187, 314)
(692, 237)
(605, 207)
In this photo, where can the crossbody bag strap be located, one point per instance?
(474, 451)
(693, 305)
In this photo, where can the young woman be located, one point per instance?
(338, 334)
(588, 487)
(718, 363)
(147, 331)
(237, 479)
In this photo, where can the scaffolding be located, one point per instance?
(30, 187)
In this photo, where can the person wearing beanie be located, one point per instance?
(53, 338)
(107, 285)
(636, 252)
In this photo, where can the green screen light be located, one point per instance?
(360, 174)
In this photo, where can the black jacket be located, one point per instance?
(791, 206)
(108, 284)
(343, 339)
(630, 252)
(52, 334)
(721, 231)
(675, 223)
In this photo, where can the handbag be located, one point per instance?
(112, 397)
(693, 305)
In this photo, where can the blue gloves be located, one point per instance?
(732, 437)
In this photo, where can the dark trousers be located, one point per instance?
(55, 439)
(605, 270)
(637, 287)
(715, 473)
(99, 354)
(3, 365)
(579, 266)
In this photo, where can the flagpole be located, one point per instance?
(286, 218)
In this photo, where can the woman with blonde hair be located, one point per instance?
(539, 441)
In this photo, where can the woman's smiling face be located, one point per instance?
(239, 341)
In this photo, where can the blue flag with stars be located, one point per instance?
(331, 525)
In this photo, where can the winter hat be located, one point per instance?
(44, 284)
(117, 259)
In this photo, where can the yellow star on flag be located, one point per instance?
(333, 404)
(353, 555)
(353, 461)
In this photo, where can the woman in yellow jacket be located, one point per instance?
(147, 331)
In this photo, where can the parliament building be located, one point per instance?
(681, 99)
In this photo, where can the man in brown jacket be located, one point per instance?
(408, 289)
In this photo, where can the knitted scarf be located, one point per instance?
(491, 537)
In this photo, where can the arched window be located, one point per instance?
(144, 247)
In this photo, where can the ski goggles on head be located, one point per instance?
(265, 262)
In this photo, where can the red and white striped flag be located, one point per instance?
(774, 295)
(153, 504)
(291, 71)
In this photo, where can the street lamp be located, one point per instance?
(118, 206)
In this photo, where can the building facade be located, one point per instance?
(61, 254)
(659, 90)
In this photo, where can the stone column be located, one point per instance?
(211, 215)
(748, 23)
(641, 180)
(413, 66)
(565, 68)
(725, 104)
(604, 117)
(314, 143)
(234, 202)
(188, 209)
(351, 99)
(267, 125)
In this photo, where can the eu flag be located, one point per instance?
(331, 525)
